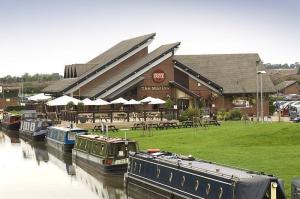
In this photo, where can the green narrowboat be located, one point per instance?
(108, 155)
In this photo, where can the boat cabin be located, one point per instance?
(111, 150)
(177, 176)
(64, 135)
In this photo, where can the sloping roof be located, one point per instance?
(132, 69)
(77, 69)
(185, 90)
(106, 58)
(59, 85)
(284, 85)
(235, 73)
(125, 88)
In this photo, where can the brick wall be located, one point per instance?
(4, 103)
(168, 68)
(292, 89)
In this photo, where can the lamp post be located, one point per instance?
(261, 94)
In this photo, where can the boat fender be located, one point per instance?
(153, 150)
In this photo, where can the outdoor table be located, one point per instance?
(212, 122)
(187, 123)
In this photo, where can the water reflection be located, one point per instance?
(13, 136)
(62, 160)
(28, 163)
(35, 150)
(104, 186)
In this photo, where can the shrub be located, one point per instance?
(235, 114)
(222, 114)
(189, 113)
(80, 106)
(169, 104)
(70, 105)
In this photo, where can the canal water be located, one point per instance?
(32, 171)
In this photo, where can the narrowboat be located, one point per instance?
(167, 175)
(63, 138)
(34, 129)
(108, 155)
(11, 122)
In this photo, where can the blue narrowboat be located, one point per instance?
(167, 175)
(63, 138)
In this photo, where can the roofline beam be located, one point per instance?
(197, 79)
(135, 75)
(106, 68)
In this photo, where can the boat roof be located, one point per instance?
(203, 166)
(67, 128)
(105, 138)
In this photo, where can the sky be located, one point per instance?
(41, 36)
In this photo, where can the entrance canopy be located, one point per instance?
(63, 101)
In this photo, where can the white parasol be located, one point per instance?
(39, 97)
(132, 102)
(119, 101)
(100, 102)
(63, 101)
(157, 101)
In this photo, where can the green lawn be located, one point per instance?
(271, 148)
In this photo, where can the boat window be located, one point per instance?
(77, 143)
(207, 189)
(196, 185)
(132, 147)
(140, 167)
(121, 151)
(157, 172)
(82, 144)
(101, 149)
(221, 193)
(95, 148)
(60, 136)
(171, 176)
(183, 181)
(71, 135)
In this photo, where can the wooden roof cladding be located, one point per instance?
(133, 70)
(234, 73)
(100, 62)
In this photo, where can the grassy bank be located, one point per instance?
(271, 148)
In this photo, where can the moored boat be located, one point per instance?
(11, 122)
(63, 138)
(34, 128)
(108, 155)
(166, 175)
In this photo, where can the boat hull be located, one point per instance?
(60, 145)
(97, 162)
(11, 126)
(35, 136)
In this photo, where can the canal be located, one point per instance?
(32, 170)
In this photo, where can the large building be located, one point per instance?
(128, 70)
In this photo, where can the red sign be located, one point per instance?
(158, 76)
